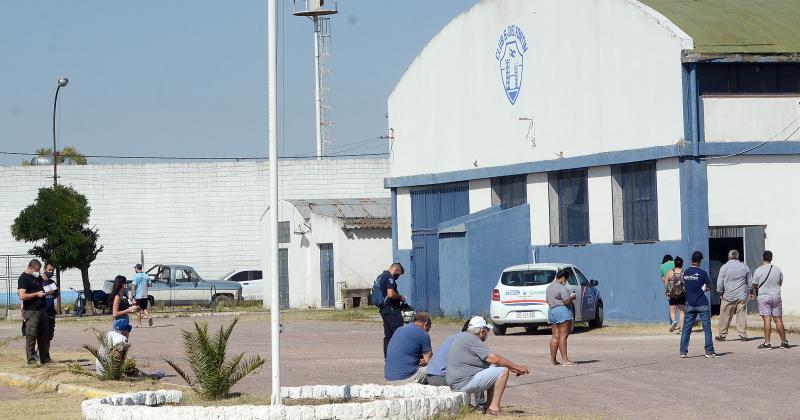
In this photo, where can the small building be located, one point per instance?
(601, 133)
(329, 249)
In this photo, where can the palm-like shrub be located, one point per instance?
(214, 376)
(113, 359)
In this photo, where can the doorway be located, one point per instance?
(748, 240)
(326, 275)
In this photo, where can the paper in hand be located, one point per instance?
(50, 288)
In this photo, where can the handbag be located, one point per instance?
(754, 290)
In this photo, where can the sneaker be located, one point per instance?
(743, 338)
(785, 345)
(711, 355)
(719, 338)
(149, 322)
(160, 374)
(684, 356)
(763, 346)
(673, 326)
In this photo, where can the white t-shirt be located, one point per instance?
(115, 339)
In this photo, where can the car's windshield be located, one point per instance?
(527, 277)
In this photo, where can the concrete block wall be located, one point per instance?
(205, 214)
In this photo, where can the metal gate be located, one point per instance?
(283, 277)
(11, 266)
(326, 275)
(430, 206)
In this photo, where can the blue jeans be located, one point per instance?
(692, 313)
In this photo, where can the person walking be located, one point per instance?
(34, 317)
(766, 288)
(118, 299)
(733, 285)
(49, 279)
(560, 317)
(673, 286)
(390, 300)
(141, 282)
(696, 282)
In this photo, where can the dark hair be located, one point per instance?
(34, 263)
(561, 273)
(422, 317)
(697, 256)
(768, 256)
(666, 258)
(398, 265)
(465, 327)
(678, 262)
(119, 283)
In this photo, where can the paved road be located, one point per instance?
(624, 375)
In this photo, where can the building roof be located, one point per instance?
(736, 26)
(355, 213)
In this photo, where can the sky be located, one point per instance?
(189, 77)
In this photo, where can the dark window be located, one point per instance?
(572, 192)
(509, 191)
(581, 277)
(527, 278)
(639, 201)
(748, 78)
(284, 233)
(571, 278)
(240, 276)
(256, 275)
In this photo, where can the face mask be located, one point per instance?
(50, 275)
(35, 274)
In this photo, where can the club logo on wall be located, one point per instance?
(510, 50)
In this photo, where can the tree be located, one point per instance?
(56, 223)
(67, 156)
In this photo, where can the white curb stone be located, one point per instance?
(411, 401)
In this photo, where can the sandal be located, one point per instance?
(570, 364)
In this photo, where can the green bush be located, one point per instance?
(214, 376)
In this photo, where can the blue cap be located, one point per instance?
(122, 324)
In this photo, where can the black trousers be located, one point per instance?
(392, 320)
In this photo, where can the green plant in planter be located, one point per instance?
(214, 373)
(113, 359)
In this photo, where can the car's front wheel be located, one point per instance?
(499, 329)
(597, 322)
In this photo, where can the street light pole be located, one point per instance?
(61, 83)
(272, 86)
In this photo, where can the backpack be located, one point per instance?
(676, 286)
(377, 298)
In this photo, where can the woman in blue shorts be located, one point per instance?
(560, 317)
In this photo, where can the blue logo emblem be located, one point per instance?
(510, 50)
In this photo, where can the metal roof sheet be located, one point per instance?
(736, 26)
(354, 212)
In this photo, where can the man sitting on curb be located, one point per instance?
(409, 351)
(473, 368)
(437, 368)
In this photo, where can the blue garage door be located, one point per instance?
(430, 206)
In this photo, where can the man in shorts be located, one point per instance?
(767, 282)
(472, 368)
(140, 289)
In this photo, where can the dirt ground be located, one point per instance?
(624, 372)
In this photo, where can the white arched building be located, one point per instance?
(604, 133)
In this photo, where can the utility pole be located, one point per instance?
(62, 82)
(272, 86)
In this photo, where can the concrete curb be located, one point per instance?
(22, 381)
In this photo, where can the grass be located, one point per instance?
(42, 405)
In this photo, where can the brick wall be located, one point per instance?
(203, 214)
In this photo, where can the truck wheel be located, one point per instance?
(224, 300)
(499, 329)
(597, 322)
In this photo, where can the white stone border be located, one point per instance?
(411, 401)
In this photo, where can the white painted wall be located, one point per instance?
(403, 218)
(480, 194)
(203, 214)
(668, 186)
(598, 76)
(751, 118)
(601, 210)
(538, 200)
(761, 190)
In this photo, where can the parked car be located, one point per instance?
(175, 284)
(251, 279)
(519, 299)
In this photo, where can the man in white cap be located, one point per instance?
(473, 368)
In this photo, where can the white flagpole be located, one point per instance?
(272, 70)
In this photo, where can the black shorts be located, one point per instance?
(142, 303)
(677, 301)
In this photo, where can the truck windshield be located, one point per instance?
(527, 277)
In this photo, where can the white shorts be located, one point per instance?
(419, 377)
(483, 380)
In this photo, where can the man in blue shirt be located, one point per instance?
(696, 282)
(390, 308)
(409, 352)
(141, 281)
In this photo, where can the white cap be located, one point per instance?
(477, 322)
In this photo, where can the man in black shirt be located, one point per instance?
(390, 309)
(32, 295)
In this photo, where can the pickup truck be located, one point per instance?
(175, 284)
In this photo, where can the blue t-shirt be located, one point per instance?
(140, 280)
(694, 278)
(406, 347)
(438, 364)
(386, 282)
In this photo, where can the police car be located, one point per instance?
(519, 300)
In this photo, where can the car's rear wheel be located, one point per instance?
(499, 329)
(597, 322)
(531, 328)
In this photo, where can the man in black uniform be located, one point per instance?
(32, 295)
(390, 309)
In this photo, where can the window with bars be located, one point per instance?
(635, 202)
(569, 207)
(284, 233)
(509, 191)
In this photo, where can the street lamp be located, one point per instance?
(61, 83)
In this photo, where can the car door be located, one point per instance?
(255, 286)
(187, 290)
(588, 297)
(573, 285)
(160, 286)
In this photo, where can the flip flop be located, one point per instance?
(570, 364)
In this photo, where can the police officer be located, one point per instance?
(390, 308)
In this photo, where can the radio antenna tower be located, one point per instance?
(317, 11)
